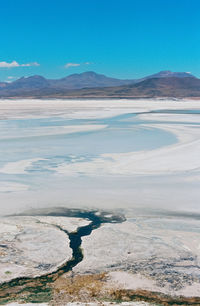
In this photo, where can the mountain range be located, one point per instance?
(91, 84)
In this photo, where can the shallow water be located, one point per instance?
(33, 148)
(30, 139)
(102, 172)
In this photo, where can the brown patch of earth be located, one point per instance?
(93, 288)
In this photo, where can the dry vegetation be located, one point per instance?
(94, 288)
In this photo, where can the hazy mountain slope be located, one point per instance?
(79, 85)
(156, 87)
(35, 81)
(3, 84)
(74, 81)
(169, 74)
(87, 79)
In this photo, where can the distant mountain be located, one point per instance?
(170, 74)
(155, 87)
(164, 87)
(75, 81)
(87, 80)
(3, 84)
(32, 82)
(91, 84)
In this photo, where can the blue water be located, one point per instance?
(28, 139)
(18, 140)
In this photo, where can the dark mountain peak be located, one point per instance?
(169, 74)
(164, 83)
(3, 84)
(32, 77)
(88, 79)
(164, 73)
(90, 73)
(31, 82)
(94, 75)
(165, 87)
(84, 75)
(36, 77)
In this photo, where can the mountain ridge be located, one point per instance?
(163, 83)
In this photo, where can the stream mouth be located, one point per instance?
(12, 290)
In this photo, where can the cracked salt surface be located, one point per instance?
(153, 254)
(31, 246)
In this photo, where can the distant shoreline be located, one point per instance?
(96, 98)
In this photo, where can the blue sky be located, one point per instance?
(121, 38)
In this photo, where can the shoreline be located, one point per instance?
(99, 97)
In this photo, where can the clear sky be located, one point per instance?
(119, 38)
